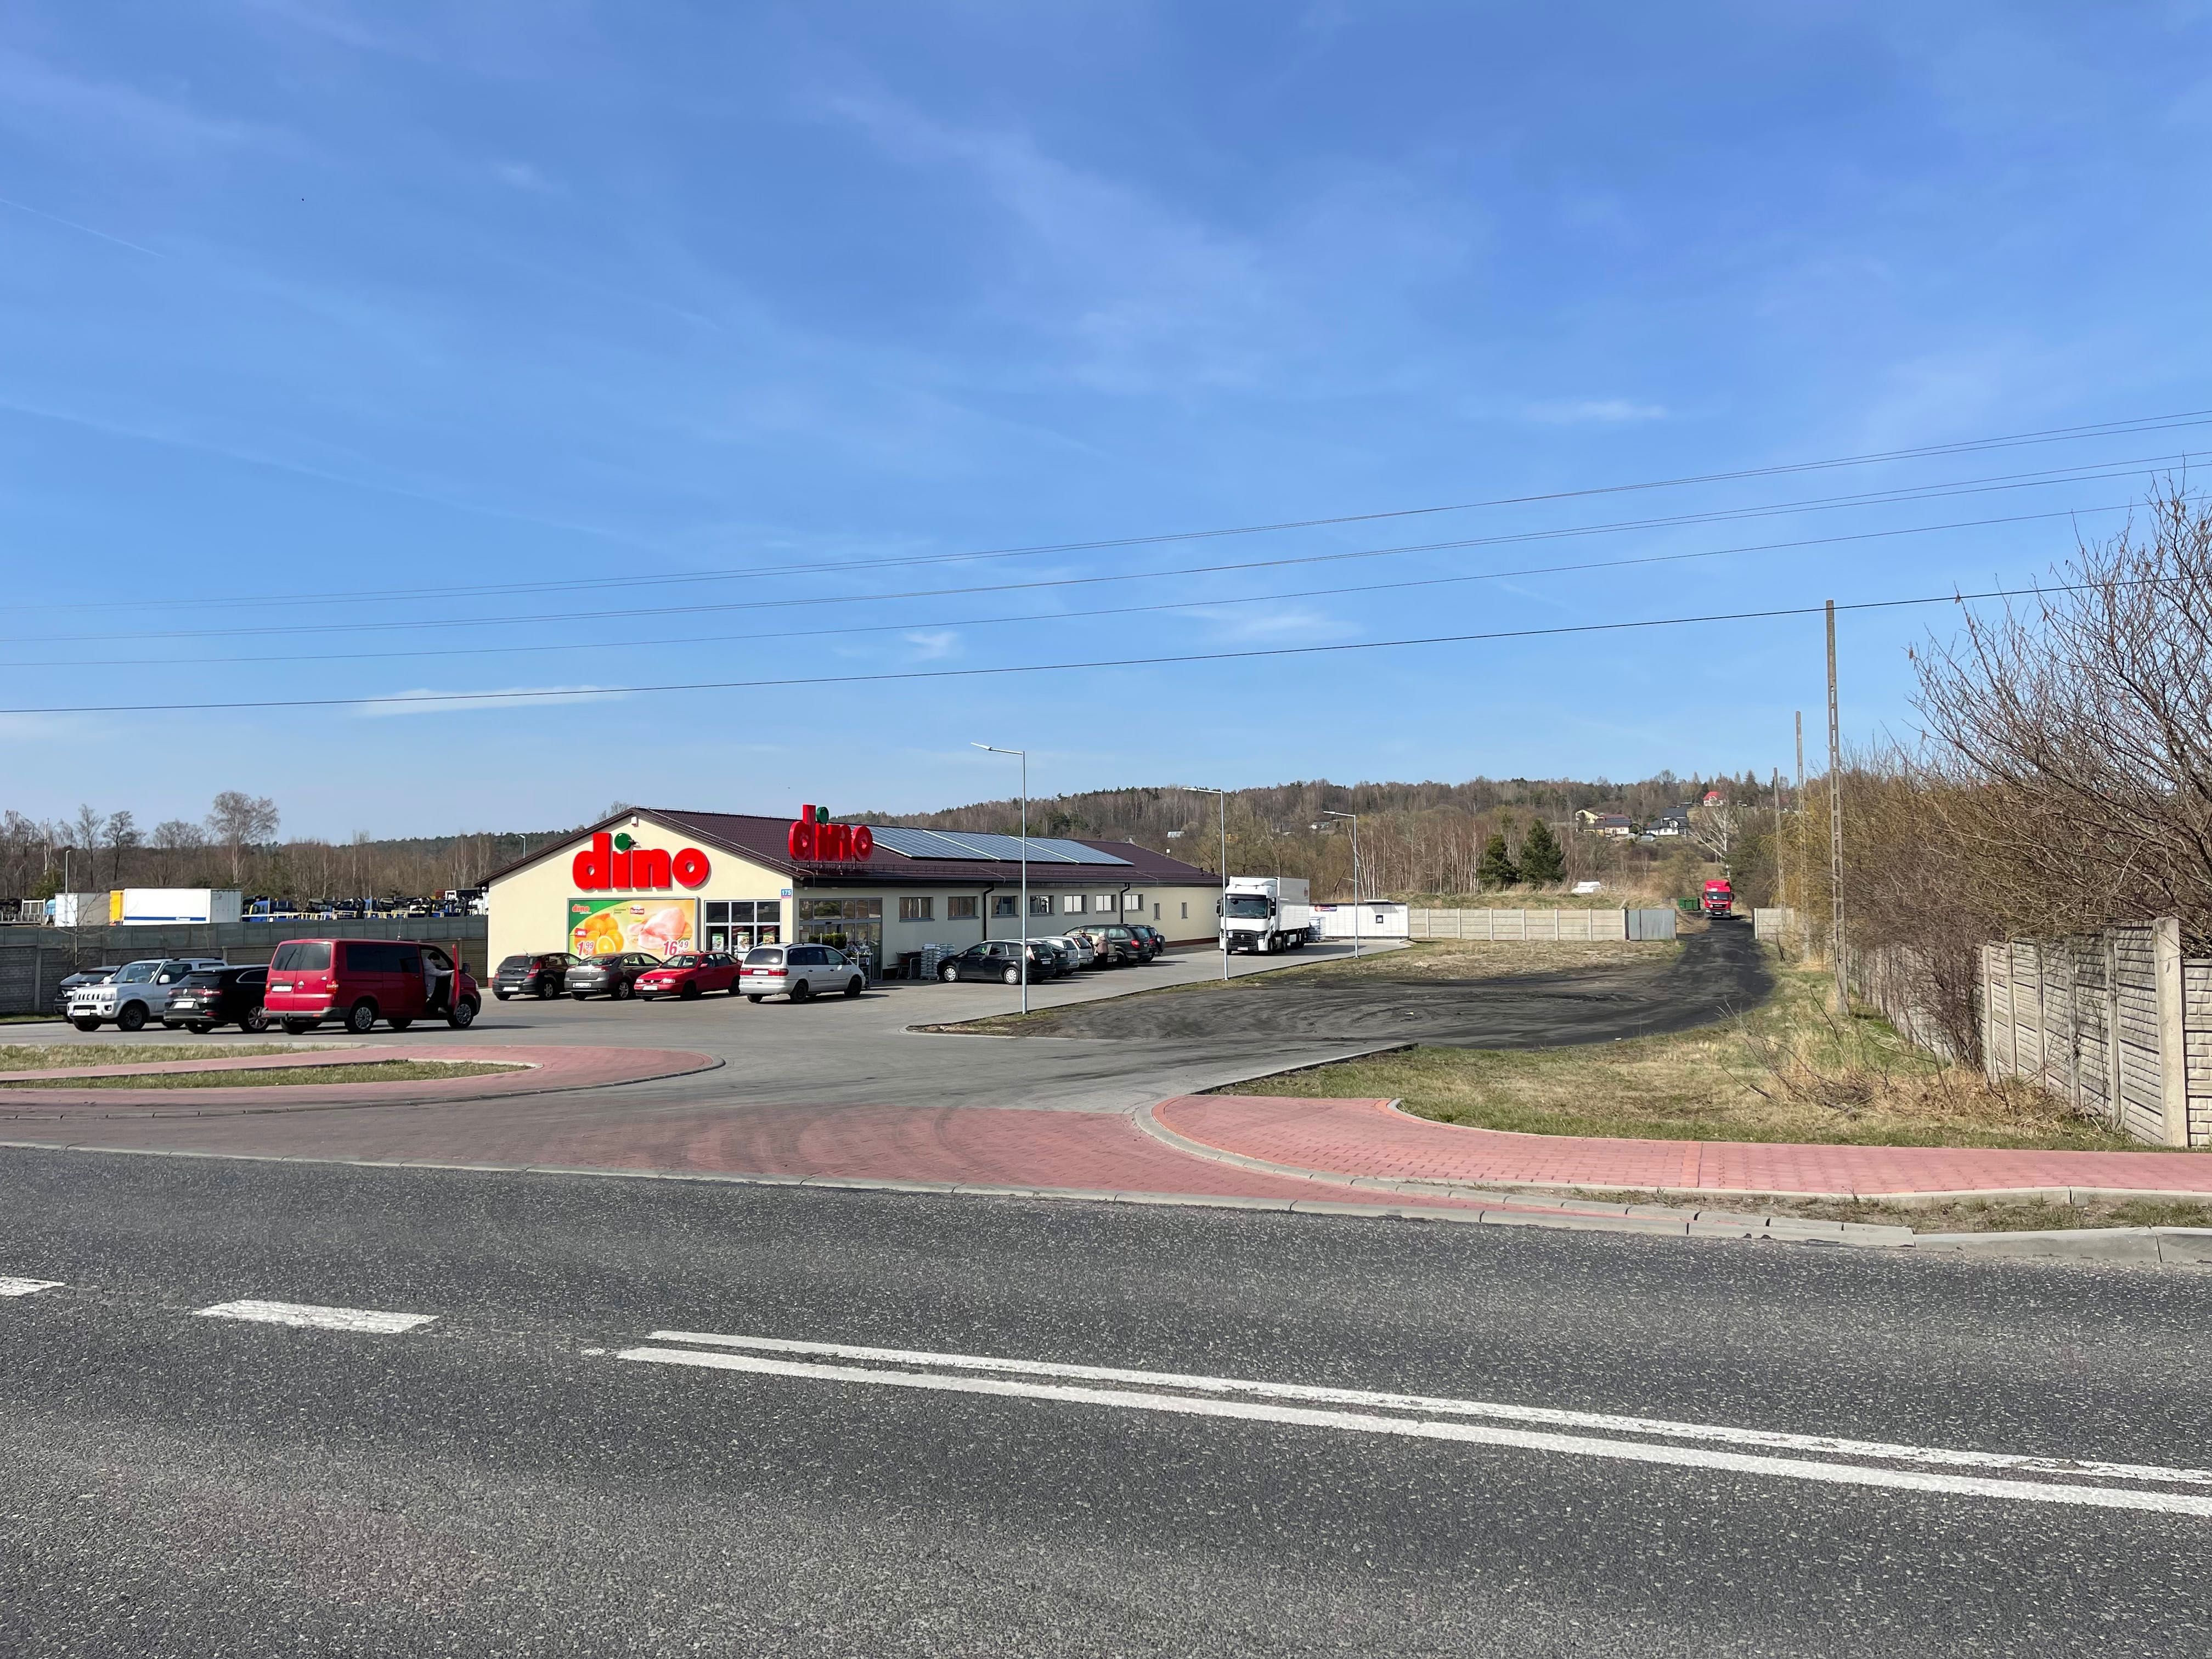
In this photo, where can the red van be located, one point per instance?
(358, 982)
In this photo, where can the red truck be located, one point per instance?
(1720, 899)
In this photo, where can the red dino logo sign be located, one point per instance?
(815, 840)
(612, 861)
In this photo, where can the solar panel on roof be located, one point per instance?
(967, 844)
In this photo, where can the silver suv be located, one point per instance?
(139, 993)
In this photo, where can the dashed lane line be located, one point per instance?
(308, 1315)
(27, 1286)
(1207, 1402)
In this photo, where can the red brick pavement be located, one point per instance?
(545, 1068)
(1079, 1151)
(1370, 1139)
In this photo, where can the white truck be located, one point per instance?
(1268, 914)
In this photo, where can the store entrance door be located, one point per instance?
(852, 926)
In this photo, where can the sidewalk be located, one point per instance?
(1371, 1141)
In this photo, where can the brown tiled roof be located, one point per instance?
(762, 840)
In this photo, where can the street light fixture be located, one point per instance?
(1354, 817)
(1222, 909)
(1024, 755)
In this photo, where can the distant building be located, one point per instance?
(1607, 824)
(1673, 822)
(1713, 798)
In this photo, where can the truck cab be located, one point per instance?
(1267, 913)
(1719, 899)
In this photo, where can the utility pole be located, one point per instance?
(1221, 910)
(1781, 886)
(1354, 817)
(1024, 755)
(1804, 859)
(1835, 828)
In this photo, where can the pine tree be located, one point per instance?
(1497, 868)
(1542, 863)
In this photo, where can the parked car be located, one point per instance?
(1159, 940)
(544, 974)
(1000, 959)
(1116, 945)
(1141, 939)
(358, 982)
(208, 997)
(798, 971)
(1079, 948)
(691, 975)
(138, 992)
(614, 975)
(72, 983)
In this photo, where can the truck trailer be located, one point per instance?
(1268, 914)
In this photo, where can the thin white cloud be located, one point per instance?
(428, 701)
(931, 644)
(523, 176)
(1611, 411)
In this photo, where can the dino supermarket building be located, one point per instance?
(652, 880)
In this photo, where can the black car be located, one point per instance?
(1159, 939)
(83, 976)
(612, 976)
(208, 997)
(1118, 945)
(1000, 959)
(544, 974)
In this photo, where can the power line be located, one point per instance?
(2124, 427)
(1818, 504)
(664, 641)
(541, 694)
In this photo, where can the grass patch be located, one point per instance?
(44, 1056)
(366, 1070)
(1965, 1215)
(1787, 1071)
(1442, 959)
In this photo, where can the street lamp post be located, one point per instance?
(1222, 910)
(1354, 817)
(1024, 969)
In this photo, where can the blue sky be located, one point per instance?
(319, 316)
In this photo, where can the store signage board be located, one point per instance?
(814, 840)
(613, 862)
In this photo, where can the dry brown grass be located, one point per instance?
(1783, 1073)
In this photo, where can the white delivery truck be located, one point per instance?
(1267, 913)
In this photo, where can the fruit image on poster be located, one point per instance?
(608, 926)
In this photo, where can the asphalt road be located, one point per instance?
(836, 1051)
(1718, 972)
(529, 1473)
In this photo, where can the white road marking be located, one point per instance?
(1768, 1439)
(1634, 1451)
(307, 1314)
(27, 1286)
(1936, 1456)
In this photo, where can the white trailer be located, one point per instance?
(1267, 913)
(149, 907)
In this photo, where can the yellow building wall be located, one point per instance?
(529, 907)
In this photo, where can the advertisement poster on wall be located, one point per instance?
(607, 926)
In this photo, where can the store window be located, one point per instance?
(1040, 904)
(740, 924)
(854, 925)
(916, 910)
(1006, 904)
(1104, 904)
(1073, 904)
(960, 910)
(1133, 901)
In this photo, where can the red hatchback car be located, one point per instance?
(690, 975)
(359, 981)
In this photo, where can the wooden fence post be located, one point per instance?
(2173, 1030)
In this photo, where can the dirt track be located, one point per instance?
(1718, 973)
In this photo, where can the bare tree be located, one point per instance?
(2073, 734)
(121, 833)
(238, 821)
(176, 835)
(84, 833)
(1715, 829)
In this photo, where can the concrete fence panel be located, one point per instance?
(1546, 925)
